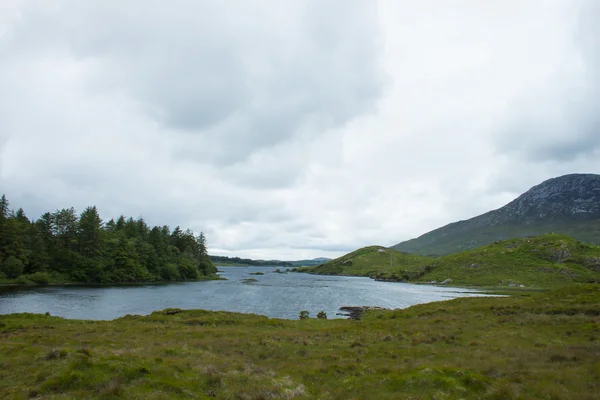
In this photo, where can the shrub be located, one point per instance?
(304, 314)
(187, 269)
(40, 278)
(322, 315)
(169, 272)
(12, 267)
(23, 280)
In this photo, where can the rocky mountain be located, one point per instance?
(569, 204)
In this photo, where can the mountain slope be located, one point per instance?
(543, 261)
(569, 204)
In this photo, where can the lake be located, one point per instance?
(278, 295)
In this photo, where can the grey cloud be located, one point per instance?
(273, 126)
(560, 122)
(206, 68)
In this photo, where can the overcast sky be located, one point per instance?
(292, 129)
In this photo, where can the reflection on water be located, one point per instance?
(273, 294)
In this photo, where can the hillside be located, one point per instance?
(372, 261)
(544, 261)
(544, 346)
(569, 205)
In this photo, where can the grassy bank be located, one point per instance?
(542, 346)
(56, 279)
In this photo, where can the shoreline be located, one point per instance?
(94, 284)
(481, 289)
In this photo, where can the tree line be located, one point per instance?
(63, 246)
(247, 261)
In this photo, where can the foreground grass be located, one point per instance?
(540, 346)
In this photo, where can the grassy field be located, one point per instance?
(545, 261)
(539, 346)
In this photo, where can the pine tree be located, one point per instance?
(4, 214)
(91, 234)
(83, 249)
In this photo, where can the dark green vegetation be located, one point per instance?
(567, 205)
(374, 262)
(543, 261)
(543, 346)
(62, 247)
(310, 263)
(237, 261)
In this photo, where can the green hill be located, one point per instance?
(543, 261)
(374, 262)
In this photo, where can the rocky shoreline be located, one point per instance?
(355, 312)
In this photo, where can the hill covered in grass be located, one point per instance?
(542, 346)
(568, 204)
(543, 261)
(371, 261)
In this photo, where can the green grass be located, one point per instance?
(372, 261)
(535, 346)
(545, 261)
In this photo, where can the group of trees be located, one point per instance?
(247, 261)
(82, 248)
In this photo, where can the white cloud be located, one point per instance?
(291, 130)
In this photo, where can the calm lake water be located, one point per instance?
(278, 295)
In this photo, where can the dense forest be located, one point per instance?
(65, 247)
(223, 260)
